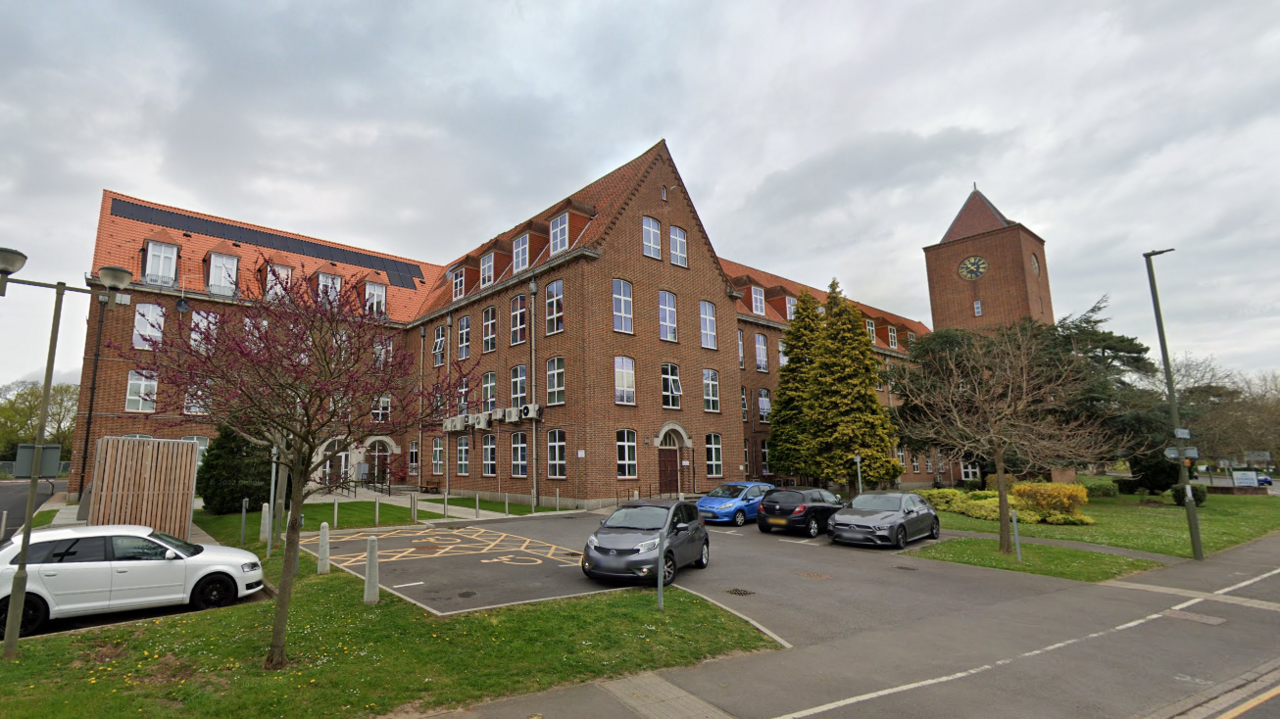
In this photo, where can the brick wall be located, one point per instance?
(1009, 291)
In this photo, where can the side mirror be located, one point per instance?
(170, 554)
(682, 527)
(603, 521)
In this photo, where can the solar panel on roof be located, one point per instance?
(404, 272)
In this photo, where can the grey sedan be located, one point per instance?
(626, 544)
(884, 519)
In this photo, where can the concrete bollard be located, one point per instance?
(335, 512)
(477, 505)
(4, 522)
(377, 505)
(413, 508)
(264, 527)
(244, 512)
(322, 562)
(371, 572)
(506, 498)
(446, 504)
(557, 499)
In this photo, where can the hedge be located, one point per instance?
(1050, 499)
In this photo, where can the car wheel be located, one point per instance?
(935, 530)
(668, 569)
(900, 537)
(705, 558)
(764, 527)
(214, 591)
(813, 527)
(34, 614)
(739, 518)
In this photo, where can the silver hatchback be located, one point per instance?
(626, 544)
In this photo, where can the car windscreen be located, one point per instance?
(726, 491)
(785, 497)
(649, 518)
(186, 548)
(877, 502)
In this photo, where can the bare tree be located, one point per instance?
(1006, 396)
(307, 370)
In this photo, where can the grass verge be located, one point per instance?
(43, 519)
(349, 659)
(1077, 564)
(1225, 521)
(351, 515)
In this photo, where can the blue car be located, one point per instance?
(734, 502)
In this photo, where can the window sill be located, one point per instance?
(676, 409)
(554, 404)
(713, 348)
(517, 344)
(710, 411)
(140, 411)
(673, 341)
(624, 332)
(658, 258)
(557, 332)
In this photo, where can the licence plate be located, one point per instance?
(776, 520)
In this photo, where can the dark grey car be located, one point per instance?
(884, 518)
(626, 544)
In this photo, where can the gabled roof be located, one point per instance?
(976, 216)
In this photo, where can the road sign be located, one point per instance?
(1189, 453)
(1257, 456)
(1182, 433)
(1171, 452)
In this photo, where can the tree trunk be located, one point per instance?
(276, 658)
(1006, 527)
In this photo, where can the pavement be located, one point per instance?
(13, 499)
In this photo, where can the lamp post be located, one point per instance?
(1196, 549)
(114, 278)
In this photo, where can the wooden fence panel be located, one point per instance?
(144, 481)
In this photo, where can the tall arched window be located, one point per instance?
(379, 461)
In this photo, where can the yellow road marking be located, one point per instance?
(1261, 698)
(457, 542)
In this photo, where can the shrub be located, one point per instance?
(972, 485)
(1101, 489)
(983, 494)
(233, 469)
(1198, 493)
(941, 499)
(1154, 472)
(989, 509)
(1072, 519)
(1047, 498)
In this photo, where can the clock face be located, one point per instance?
(1035, 265)
(973, 268)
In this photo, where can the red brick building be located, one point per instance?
(589, 319)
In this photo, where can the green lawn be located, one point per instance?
(465, 507)
(1225, 521)
(43, 519)
(1074, 564)
(352, 660)
(351, 515)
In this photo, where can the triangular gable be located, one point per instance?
(976, 216)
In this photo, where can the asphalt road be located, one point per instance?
(13, 499)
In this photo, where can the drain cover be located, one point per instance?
(739, 592)
(814, 575)
(573, 554)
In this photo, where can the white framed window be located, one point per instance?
(893, 338)
(382, 409)
(915, 464)
(555, 380)
(140, 396)
(459, 284)
(222, 274)
(148, 325)
(555, 307)
(464, 456)
(560, 234)
(278, 279)
(710, 390)
(679, 248)
(557, 464)
(486, 270)
(624, 380)
(204, 330)
(742, 360)
(519, 320)
(413, 458)
(652, 232)
(464, 397)
(791, 308)
(928, 463)
(195, 403)
(519, 386)
(437, 455)
(871, 330)
(666, 316)
(764, 457)
(970, 471)
(489, 329)
(977, 308)
(375, 298)
(383, 348)
(489, 455)
(757, 300)
(489, 392)
(715, 460)
(745, 408)
(626, 443)
(762, 401)
(762, 353)
(782, 353)
(464, 338)
(437, 346)
(671, 386)
(707, 313)
(622, 306)
(328, 287)
(519, 455)
(911, 339)
(520, 254)
(162, 264)
(902, 459)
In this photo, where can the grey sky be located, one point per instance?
(817, 139)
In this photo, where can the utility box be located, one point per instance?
(50, 461)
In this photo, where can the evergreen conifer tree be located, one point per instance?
(234, 469)
(793, 437)
(847, 411)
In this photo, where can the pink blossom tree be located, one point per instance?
(306, 368)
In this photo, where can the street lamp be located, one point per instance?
(114, 278)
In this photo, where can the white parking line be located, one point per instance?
(725, 531)
(411, 584)
(796, 541)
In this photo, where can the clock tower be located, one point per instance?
(987, 271)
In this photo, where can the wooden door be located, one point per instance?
(668, 470)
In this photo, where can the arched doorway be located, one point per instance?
(379, 461)
(669, 463)
(335, 467)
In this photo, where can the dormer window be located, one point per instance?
(222, 274)
(757, 300)
(560, 234)
(911, 338)
(277, 281)
(328, 287)
(520, 253)
(486, 270)
(162, 264)
(459, 284)
(375, 298)
(871, 330)
(791, 308)
(893, 338)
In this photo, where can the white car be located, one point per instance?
(74, 571)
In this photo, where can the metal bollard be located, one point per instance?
(446, 504)
(413, 508)
(506, 498)
(244, 514)
(322, 561)
(371, 572)
(4, 522)
(377, 507)
(1017, 542)
(264, 527)
(335, 512)
(662, 562)
(477, 505)
(557, 499)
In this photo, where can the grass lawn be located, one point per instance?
(351, 515)
(1074, 564)
(352, 660)
(465, 507)
(43, 519)
(1225, 521)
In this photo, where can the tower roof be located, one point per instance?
(977, 215)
